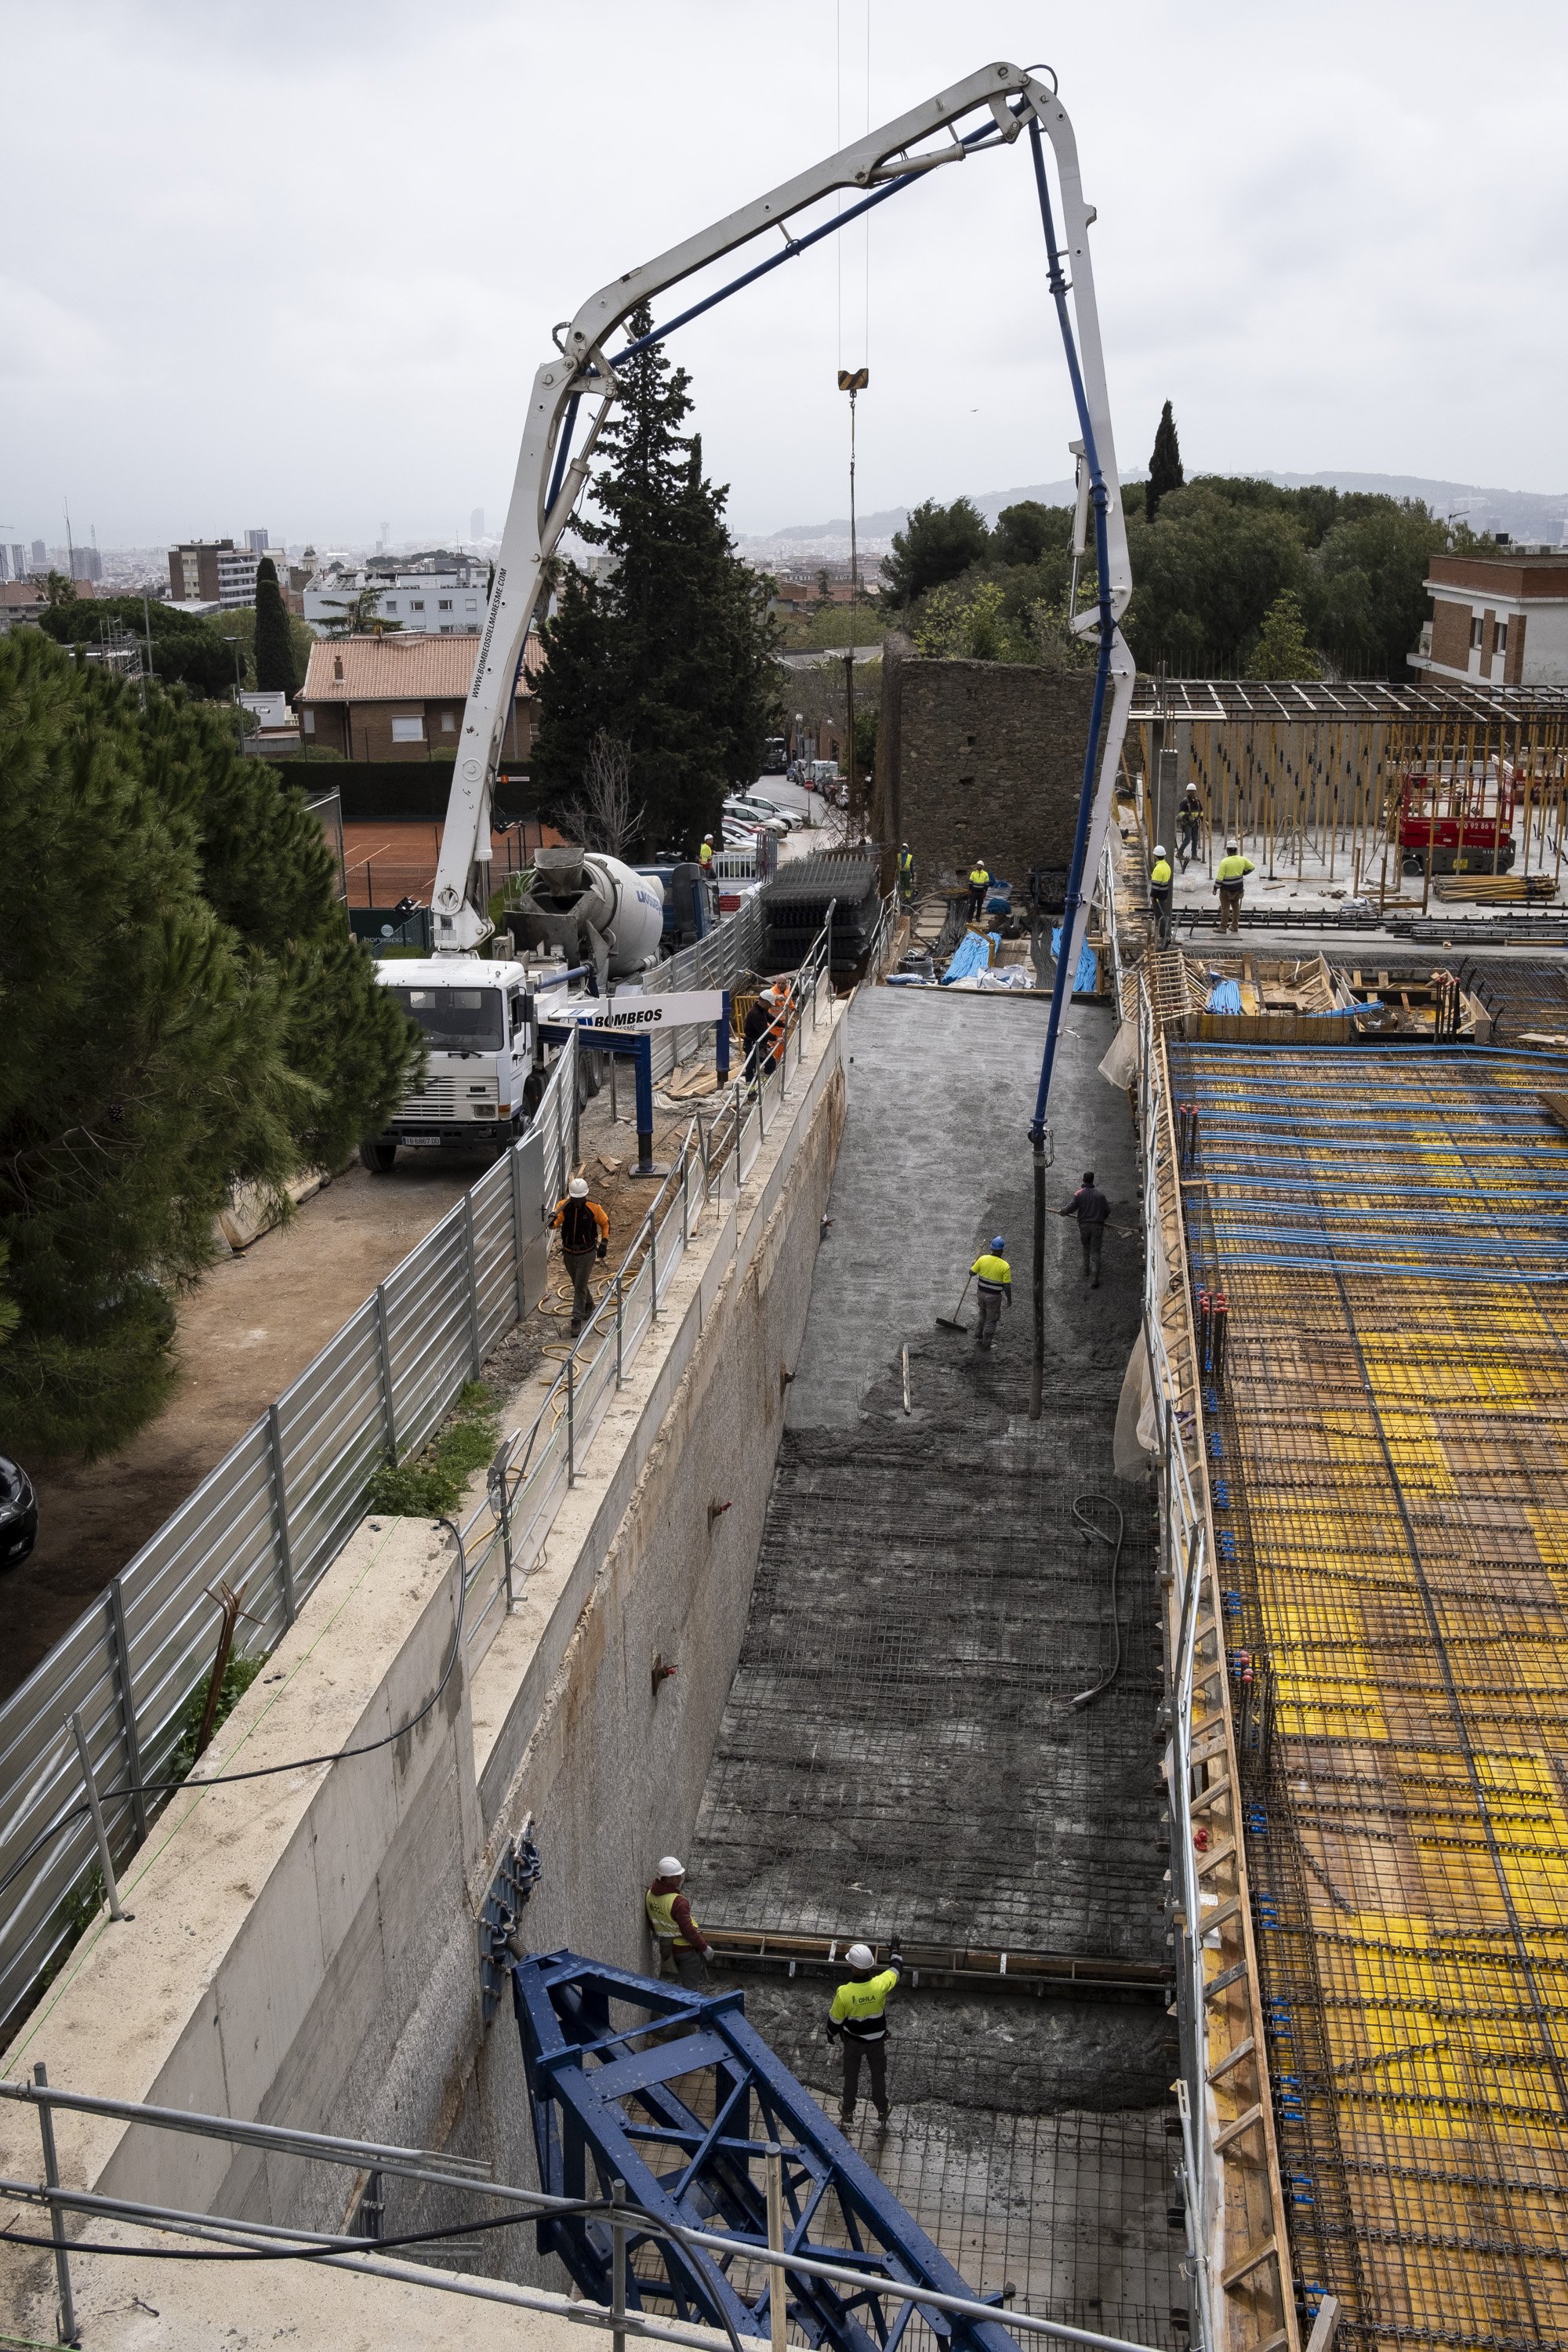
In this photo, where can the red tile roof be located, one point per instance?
(409, 667)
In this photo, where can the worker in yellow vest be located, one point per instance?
(683, 1949)
(1230, 879)
(858, 2021)
(979, 883)
(906, 874)
(705, 855)
(993, 1282)
(1162, 883)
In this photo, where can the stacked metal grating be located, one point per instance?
(795, 905)
(1388, 1460)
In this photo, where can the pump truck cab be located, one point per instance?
(584, 919)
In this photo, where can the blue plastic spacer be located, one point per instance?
(1222, 1494)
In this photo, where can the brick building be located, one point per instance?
(402, 697)
(980, 759)
(1500, 615)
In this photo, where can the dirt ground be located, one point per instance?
(254, 1323)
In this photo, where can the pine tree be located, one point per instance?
(161, 1046)
(671, 655)
(1165, 464)
(1282, 650)
(274, 670)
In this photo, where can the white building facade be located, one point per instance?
(1501, 615)
(445, 604)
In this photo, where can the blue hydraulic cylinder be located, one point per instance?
(605, 2107)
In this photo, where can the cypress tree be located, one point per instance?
(185, 1010)
(671, 655)
(1165, 464)
(274, 670)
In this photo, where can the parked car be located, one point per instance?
(822, 776)
(792, 817)
(18, 1513)
(751, 812)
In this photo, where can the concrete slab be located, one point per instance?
(900, 1754)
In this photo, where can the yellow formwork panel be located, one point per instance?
(1389, 1434)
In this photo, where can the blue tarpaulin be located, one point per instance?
(1224, 996)
(972, 955)
(1088, 971)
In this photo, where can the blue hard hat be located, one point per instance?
(998, 1242)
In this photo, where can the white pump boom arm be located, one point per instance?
(583, 371)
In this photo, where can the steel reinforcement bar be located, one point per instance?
(1385, 1235)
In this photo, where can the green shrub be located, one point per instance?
(238, 1676)
(431, 1485)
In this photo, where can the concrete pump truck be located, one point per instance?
(482, 1016)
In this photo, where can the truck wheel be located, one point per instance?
(378, 1157)
(583, 1090)
(594, 1068)
(534, 1091)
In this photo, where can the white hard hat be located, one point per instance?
(578, 1187)
(1233, 843)
(861, 1956)
(671, 1866)
(1159, 849)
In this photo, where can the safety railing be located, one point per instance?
(882, 947)
(539, 1463)
(1206, 1822)
(269, 1518)
(266, 1521)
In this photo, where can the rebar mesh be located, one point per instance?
(1389, 1462)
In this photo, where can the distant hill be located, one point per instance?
(1523, 514)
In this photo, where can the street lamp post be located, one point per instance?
(853, 381)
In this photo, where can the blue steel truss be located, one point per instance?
(605, 2107)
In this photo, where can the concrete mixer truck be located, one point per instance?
(585, 920)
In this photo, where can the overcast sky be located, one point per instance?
(294, 264)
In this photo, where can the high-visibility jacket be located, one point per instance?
(661, 1918)
(705, 855)
(582, 1223)
(978, 877)
(906, 864)
(1159, 875)
(992, 1273)
(1233, 869)
(861, 2007)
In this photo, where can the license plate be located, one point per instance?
(421, 1139)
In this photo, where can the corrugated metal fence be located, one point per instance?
(272, 1515)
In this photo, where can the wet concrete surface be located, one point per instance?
(900, 1754)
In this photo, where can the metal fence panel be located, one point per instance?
(271, 1515)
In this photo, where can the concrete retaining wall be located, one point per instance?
(304, 1946)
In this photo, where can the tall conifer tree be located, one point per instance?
(672, 654)
(275, 670)
(1165, 464)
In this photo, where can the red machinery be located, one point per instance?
(1463, 822)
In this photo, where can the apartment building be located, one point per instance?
(1500, 614)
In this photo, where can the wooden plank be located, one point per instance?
(1248, 2263)
(1232, 2058)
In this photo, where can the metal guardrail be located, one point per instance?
(1207, 1826)
(503, 1538)
(1185, 1531)
(272, 1515)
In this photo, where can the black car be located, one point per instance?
(19, 1514)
